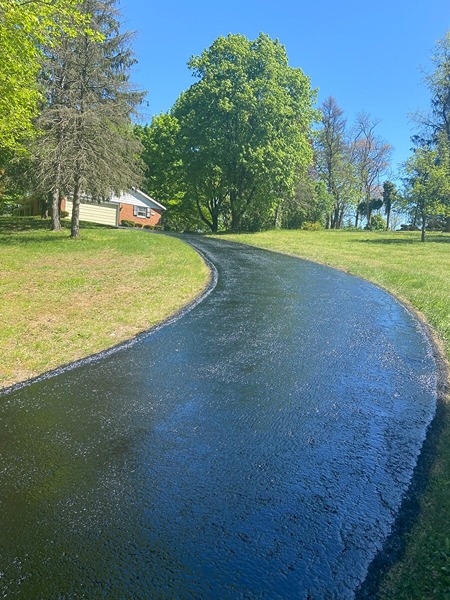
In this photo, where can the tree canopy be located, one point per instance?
(25, 27)
(244, 129)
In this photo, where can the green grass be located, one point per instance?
(63, 299)
(418, 274)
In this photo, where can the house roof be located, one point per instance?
(136, 198)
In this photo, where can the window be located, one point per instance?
(141, 211)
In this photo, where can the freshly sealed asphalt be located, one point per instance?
(257, 447)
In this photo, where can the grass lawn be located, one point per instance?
(63, 299)
(418, 274)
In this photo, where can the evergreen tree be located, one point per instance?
(87, 147)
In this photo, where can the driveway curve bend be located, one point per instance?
(258, 447)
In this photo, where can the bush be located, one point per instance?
(148, 227)
(312, 226)
(64, 214)
(377, 223)
(127, 223)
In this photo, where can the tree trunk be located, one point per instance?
(46, 206)
(369, 218)
(56, 223)
(235, 212)
(357, 218)
(388, 218)
(447, 225)
(201, 215)
(422, 235)
(277, 219)
(75, 225)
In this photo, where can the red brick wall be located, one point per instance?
(126, 213)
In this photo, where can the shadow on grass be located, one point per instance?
(430, 239)
(10, 226)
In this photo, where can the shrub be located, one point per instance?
(127, 223)
(312, 226)
(148, 227)
(377, 223)
(64, 214)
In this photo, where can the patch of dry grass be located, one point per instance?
(63, 299)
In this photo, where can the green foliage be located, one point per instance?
(390, 199)
(334, 163)
(377, 223)
(428, 181)
(310, 203)
(182, 215)
(86, 144)
(244, 130)
(312, 226)
(25, 27)
(438, 82)
(127, 223)
(161, 156)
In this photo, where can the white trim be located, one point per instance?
(137, 198)
(148, 198)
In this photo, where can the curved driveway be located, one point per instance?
(258, 447)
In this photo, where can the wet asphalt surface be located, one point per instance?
(258, 447)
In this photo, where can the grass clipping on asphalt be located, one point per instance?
(418, 274)
(63, 299)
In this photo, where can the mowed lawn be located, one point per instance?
(419, 274)
(62, 299)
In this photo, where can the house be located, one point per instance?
(134, 206)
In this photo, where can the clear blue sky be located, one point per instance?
(368, 55)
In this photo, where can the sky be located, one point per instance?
(370, 56)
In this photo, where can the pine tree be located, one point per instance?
(87, 148)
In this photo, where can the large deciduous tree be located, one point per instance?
(370, 157)
(163, 177)
(333, 160)
(428, 181)
(437, 120)
(87, 146)
(435, 124)
(245, 129)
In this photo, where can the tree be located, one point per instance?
(428, 182)
(435, 125)
(87, 147)
(437, 120)
(370, 156)
(244, 129)
(390, 196)
(25, 27)
(311, 203)
(163, 177)
(333, 161)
